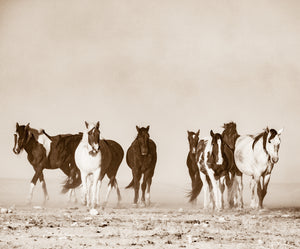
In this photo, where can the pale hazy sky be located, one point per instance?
(173, 65)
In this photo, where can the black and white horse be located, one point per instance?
(46, 152)
(213, 168)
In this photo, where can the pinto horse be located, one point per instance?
(193, 138)
(46, 152)
(141, 158)
(88, 160)
(213, 168)
(255, 156)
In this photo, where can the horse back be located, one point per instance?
(62, 151)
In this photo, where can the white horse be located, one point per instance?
(88, 160)
(255, 156)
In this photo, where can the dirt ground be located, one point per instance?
(153, 227)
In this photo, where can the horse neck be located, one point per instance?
(260, 153)
(85, 137)
(31, 143)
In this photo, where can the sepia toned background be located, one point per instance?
(173, 65)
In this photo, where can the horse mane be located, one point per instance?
(263, 135)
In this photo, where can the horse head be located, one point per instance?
(273, 143)
(93, 137)
(193, 138)
(217, 148)
(22, 136)
(230, 134)
(143, 139)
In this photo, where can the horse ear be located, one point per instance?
(198, 132)
(27, 126)
(147, 128)
(280, 131)
(97, 125)
(17, 125)
(86, 124)
(212, 133)
(267, 129)
(137, 128)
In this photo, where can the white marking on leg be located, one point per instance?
(107, 194)
(46, 196)
(99, 184)
(31, 192)
(205, 189)
(220, 158)
(96, 175)
(216, 189)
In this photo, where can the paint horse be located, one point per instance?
(88, 160)
(213, 168)
(111, 157)
(255, 156)
(230, 136)
(141, 158)
(193, 138)
(46, 152)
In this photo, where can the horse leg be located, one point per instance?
(266, 180)
(96, 175)
(144, 184)
(229, 180)
(118, 191)
(216, 189)
(239, 192)
(109, 187)
(84, 194)
(253, 189)
(43, 182)
(149, 181)
(136, 182)
(33, 183)
(222, 188)
(205, 189)
(259, 193)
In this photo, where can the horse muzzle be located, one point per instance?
(275, 159)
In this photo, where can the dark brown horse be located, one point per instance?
(112, 156)
(141, 158)
(230, 135)
(193, 138)
(45, 152)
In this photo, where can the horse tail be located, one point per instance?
(196, 188)
(130, 185)
(73, 181)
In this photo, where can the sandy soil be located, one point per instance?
(153, 227)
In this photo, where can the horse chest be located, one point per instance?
(85, 161)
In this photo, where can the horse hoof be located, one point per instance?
(93, 211)
(135, 205)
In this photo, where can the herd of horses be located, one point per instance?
(215, 162)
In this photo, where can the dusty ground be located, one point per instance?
(154, 227)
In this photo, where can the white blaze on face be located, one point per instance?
(46, 142)
(220, 158)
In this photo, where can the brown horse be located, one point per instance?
(46, 152)
(141, 158)
(193, 138)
